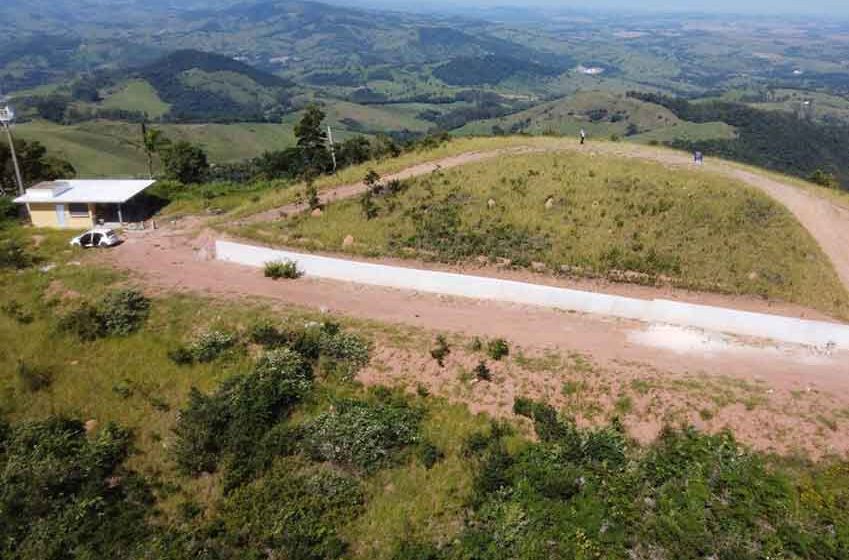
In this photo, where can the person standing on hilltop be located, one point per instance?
(583, 136)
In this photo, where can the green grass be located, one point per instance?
(113, 149)
(137, 95)
(608, 213)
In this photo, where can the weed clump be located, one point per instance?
(282, 269)
(441, 350)
(498, 349)
(482, 372)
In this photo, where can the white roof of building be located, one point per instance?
(104, 191)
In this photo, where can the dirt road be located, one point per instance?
(177, 260)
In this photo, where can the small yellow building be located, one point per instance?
(81, 204)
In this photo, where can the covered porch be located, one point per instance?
(79, 204)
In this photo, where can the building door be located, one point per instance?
(60, 215)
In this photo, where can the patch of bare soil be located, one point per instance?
(781, 416)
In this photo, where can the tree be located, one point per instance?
(312, 142)
(36, 165)
(354, 151)
(154, 141)
(184, 162)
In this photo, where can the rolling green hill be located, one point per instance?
(112, 149)
(586, 215)
(601, 114)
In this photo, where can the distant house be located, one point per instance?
(79, 204)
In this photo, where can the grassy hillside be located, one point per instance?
(112, 149)
(136, 95)
(601, 114)
(602, 215)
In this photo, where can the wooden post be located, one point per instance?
(120, 215)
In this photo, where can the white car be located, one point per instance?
(97, 237)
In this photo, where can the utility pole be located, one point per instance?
(7, 117)
(332, 147)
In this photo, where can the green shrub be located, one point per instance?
(33, 378)
(497, 349)
(117, 314)
(236, 416)
(64, 494)
(210, 345)
(441, 350)
(123, 311)
(362, 435)
(296, 511)
(824, 179)
(282, 269)
(347, 347)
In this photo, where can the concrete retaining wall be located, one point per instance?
(785, 329)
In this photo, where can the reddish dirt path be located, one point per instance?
(178, 260)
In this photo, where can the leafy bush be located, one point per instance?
(117, 314)
(232, 419)
(123, 311)
(824, 179)
(362, 435)
(295, 511)
(282, 269)
(347, 347)
(210, 345)
(497, 349)
(441, 350)
(63, 494)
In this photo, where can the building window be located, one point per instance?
(78, 210)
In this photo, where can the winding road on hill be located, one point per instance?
(825, 220)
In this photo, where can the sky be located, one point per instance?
(765, 7)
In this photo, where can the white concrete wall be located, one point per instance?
(775, 327)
